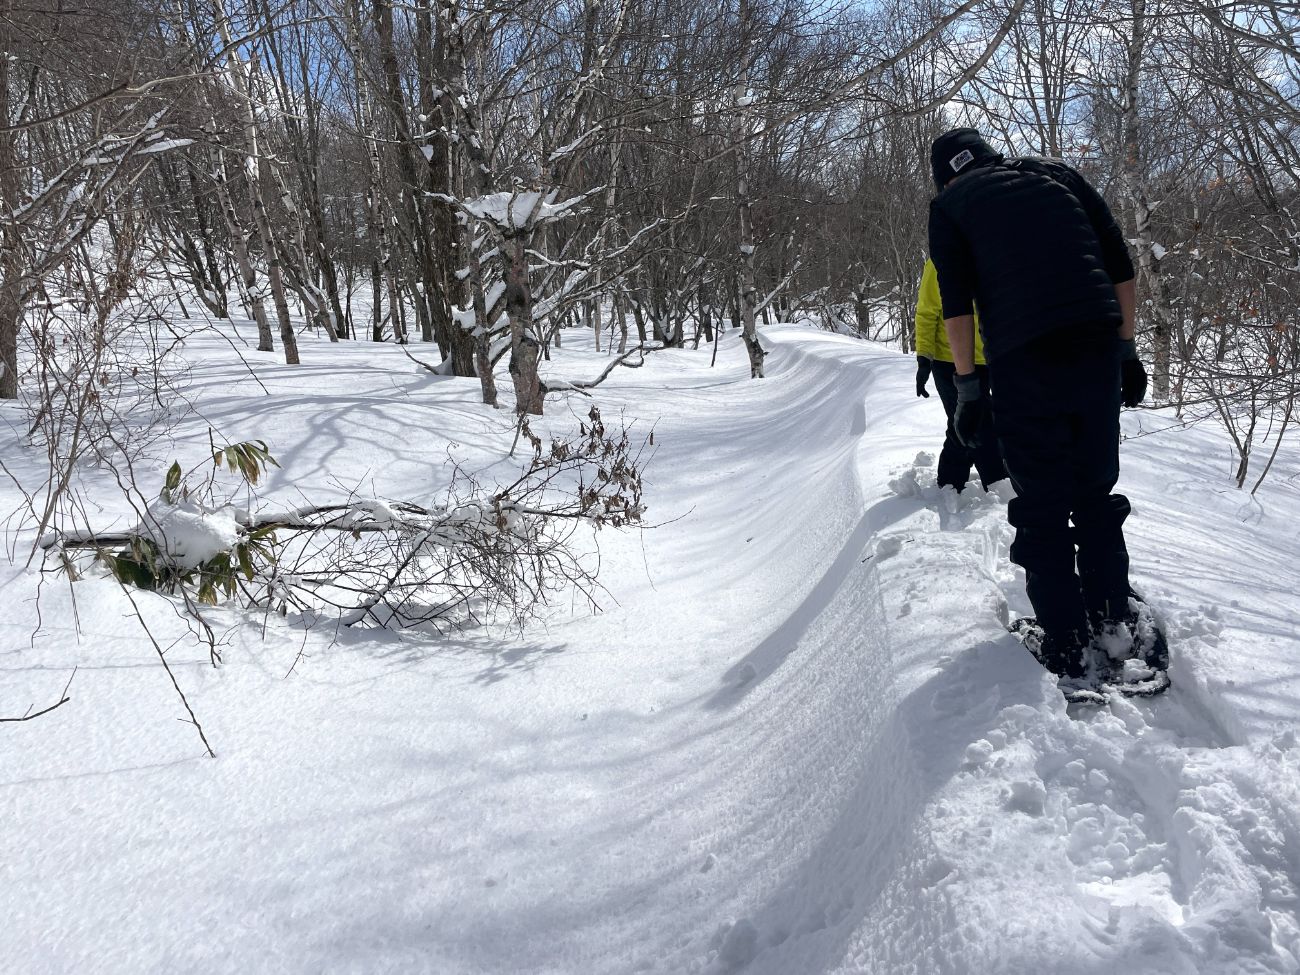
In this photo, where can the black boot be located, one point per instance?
(1063, 652)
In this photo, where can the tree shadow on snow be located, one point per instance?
(491, 656)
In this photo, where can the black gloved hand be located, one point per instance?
(922, 375)
(1132, 374)
(971, 405)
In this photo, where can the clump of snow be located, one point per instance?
(463, 318)
(1117, 641)
(368, 511)
(189, 534)
(566, 150)
(905, 484)
(978, 752)
(889, 545)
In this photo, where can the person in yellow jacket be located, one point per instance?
(933, 357)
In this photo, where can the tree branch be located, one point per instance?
(63, 699)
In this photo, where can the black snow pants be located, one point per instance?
(1056, 409)
(955, 459)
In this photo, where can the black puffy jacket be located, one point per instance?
(1033, 245)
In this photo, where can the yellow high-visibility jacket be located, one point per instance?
(931, 336)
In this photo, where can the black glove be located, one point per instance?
(1132, 374)
(922, 375)
(971, 407)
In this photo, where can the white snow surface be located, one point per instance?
(796, 739)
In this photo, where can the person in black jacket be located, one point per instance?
(1035, 247)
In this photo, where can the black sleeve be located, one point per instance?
(952, 259)
(1114, 250)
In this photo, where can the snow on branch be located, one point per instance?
(517, 210)
(573, 146)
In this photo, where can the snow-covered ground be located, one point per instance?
(796, 739)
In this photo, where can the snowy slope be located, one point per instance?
(796, 740)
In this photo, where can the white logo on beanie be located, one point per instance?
(960, 160)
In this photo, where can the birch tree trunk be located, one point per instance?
(482, 344)
(252, 290)
(300, 109)
(413, 208)
(1149, 251)
(744, 206)
(432, 62)
(10, 245)
(620, 315)
(382, 277)
(254, 170)
(459, 111)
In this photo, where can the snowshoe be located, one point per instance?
(1077, 688)
(1133, 653)
(1129, 657)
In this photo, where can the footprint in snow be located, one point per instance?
(734, 945)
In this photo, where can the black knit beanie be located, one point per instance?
(956, 151)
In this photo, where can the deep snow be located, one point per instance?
(796, 739)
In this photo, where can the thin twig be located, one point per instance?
(167, 667)
(63, 699)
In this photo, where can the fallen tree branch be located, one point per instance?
(442, 369)
(63, 699)
(390, 562)
(582, 385)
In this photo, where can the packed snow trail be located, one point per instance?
(1140, 838)
(799, 742)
